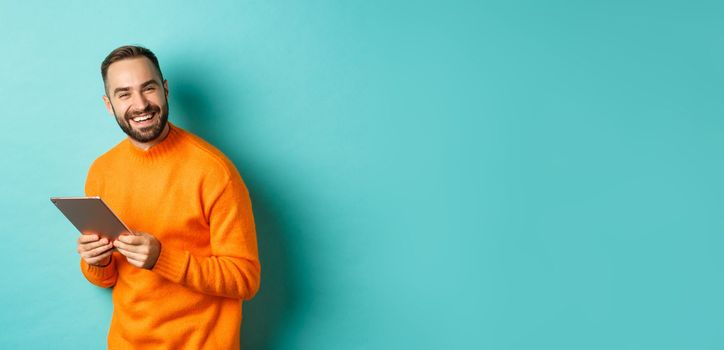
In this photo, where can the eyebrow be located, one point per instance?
(121, 89)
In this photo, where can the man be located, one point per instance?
(179, 280)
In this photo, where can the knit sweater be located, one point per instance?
(189, 196)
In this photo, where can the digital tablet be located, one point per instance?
(90, 215)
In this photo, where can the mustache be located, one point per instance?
(151, 108)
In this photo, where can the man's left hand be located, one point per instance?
(140, 249)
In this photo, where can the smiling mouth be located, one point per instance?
(143, 119)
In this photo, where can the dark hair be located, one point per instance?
(125, 52)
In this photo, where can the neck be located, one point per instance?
(146, 145)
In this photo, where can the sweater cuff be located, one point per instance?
(172, 264)
(99, 272)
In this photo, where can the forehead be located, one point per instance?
(131, 72)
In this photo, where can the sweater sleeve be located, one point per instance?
(233, 270)
(102, 276)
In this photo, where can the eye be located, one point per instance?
(150, 88)
(123, 95)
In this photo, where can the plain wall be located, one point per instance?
(428, 175)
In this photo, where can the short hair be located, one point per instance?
(126, 52)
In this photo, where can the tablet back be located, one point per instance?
(91, 215)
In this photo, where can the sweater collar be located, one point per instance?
(158, 150)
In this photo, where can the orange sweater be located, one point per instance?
(192, 199)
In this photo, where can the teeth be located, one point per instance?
(142, 118)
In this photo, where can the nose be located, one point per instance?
(140, 102)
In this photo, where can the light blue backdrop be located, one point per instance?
(429, 175)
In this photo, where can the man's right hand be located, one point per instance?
(95, 250)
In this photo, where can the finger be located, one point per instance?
(134, 251)
(131, 239)
(88, 238)
(99, 258)
(97, 251)
(132, 255)
(131, 247)
(135, 262)
(121, 245)
(92, 245)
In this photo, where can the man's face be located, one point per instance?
(137, 97)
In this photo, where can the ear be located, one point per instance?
(165, 87)
(107, 101)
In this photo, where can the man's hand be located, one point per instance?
(140, 249)
(94, 250)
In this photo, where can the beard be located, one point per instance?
(146, 133)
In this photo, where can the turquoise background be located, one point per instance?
(429, 175)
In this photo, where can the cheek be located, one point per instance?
(159, 99)
(118, 105)
(122, 110)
